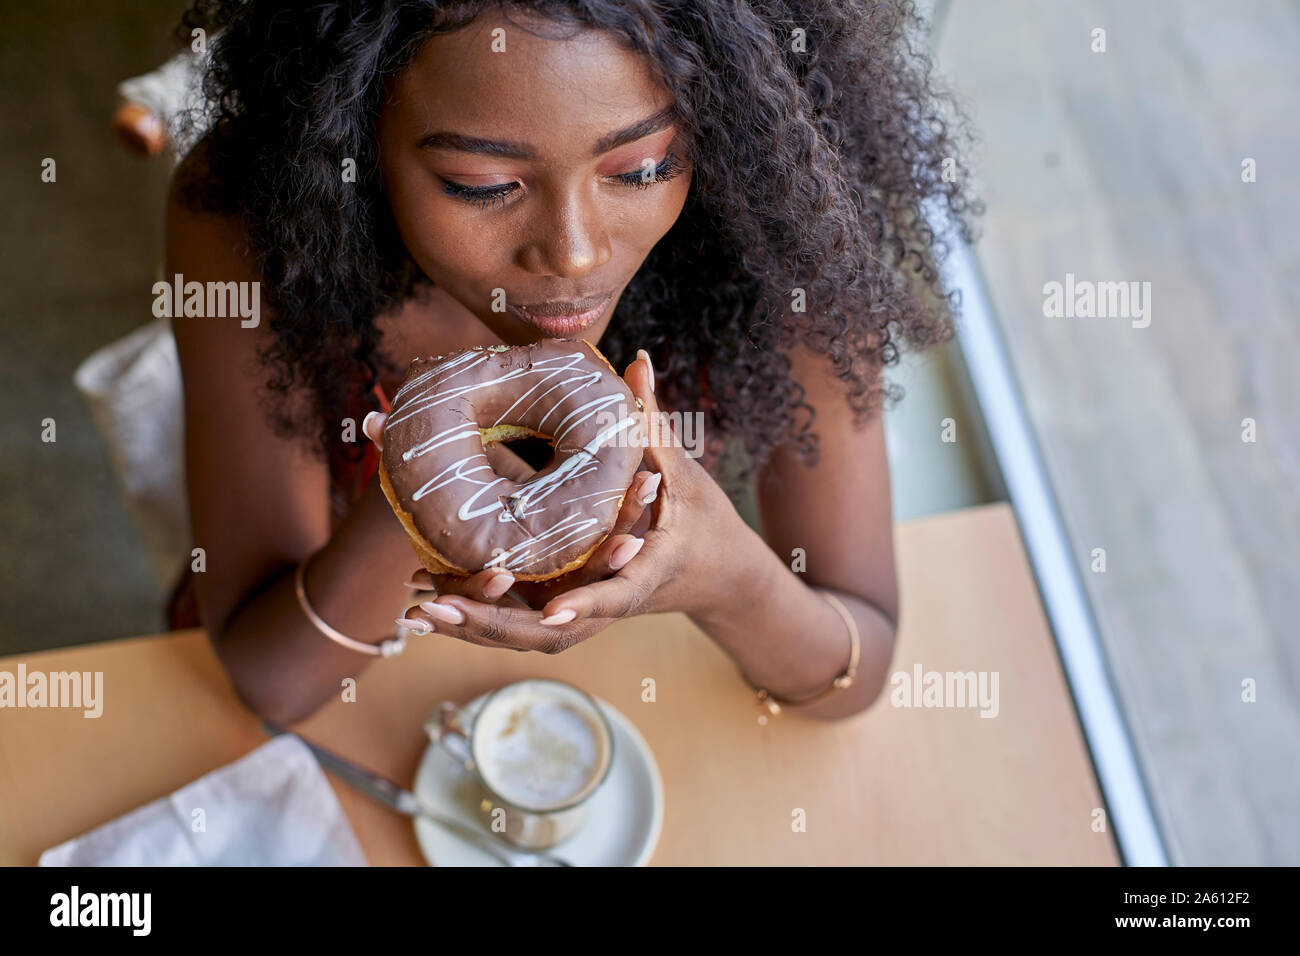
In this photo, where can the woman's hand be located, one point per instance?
(675, 566)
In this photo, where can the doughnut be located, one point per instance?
(463, 517)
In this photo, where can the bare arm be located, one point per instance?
(839, 513)
(259, 505)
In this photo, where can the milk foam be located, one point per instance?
(538, 748)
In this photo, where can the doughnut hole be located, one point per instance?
(517, 452)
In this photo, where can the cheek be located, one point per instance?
(659, 215)
(442, 240)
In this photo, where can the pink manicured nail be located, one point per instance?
(643, 354)
(561, 617)
(498, 586)
(444, 612)
(624, 553)
(415, 627)
(650, 491)
(365, 423)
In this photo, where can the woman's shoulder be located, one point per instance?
(213, 282)
(194, 180)
(197, 206)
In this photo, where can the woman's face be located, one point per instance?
(531, 183)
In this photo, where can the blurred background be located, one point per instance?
(1155, 470)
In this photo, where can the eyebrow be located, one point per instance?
(507, 150)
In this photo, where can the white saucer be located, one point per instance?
(623, 820)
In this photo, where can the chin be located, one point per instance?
(504, 327)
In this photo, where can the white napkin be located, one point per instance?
(273, 807)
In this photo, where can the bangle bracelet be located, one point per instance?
(385, 649)
(772, 703)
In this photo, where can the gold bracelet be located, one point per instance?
(772, 703)
(385, 649)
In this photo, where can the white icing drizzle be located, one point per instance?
(572, 467)
(589, 379)
(442, 438)
(616, 491)
(565, 531)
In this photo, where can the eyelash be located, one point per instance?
(485, 196)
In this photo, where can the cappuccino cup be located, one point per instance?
(540, 750)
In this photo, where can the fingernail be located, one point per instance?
(415, 627)
(624, 553)
(365, 423)
(650, 490)
(444, 612)
(643, 354)
(561, 617)
(499, 585)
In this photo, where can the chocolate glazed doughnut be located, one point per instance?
(461, 515)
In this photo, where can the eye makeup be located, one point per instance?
(489, 196)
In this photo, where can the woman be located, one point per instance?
(739, 183)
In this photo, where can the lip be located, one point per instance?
(557, 318)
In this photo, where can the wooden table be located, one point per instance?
(896, 785)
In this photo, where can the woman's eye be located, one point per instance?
(663, 172)
(482, 196)
(486, 196)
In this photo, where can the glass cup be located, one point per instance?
(539, 748)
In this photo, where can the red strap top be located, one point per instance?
(348, 478)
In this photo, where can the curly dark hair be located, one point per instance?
(818, 135)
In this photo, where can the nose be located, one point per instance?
(570, 238)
